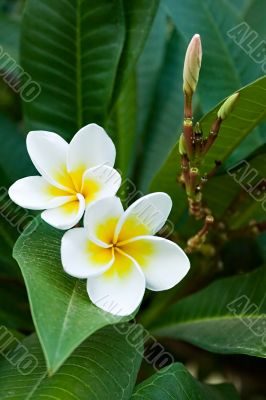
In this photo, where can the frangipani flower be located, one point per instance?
(72, 175)
(118, 254)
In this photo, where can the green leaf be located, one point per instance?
(139, 16)
(12, 218)
(104, 366)
(175, 382)
(253, 141)
(149, 68)
(72, 50)
(238, 180)
(252, 204)
(250, 110)
(262, 245)
(14, 307)
(166, 115)
(240, 5)
(11, 7)
(227, 317)
(13, 142)
(73, 317)
(255, 21)
(123, 125)
(123, 121)
(253, 15)
(9, 39)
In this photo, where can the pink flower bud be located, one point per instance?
(192, 65)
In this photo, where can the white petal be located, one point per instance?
(91, 146)
(35, 193)
(99, 182)
(119, 290)
(48, 152)
(163, 262)
(82, 258)
(101, 218)
(144, 217)
(66, 216)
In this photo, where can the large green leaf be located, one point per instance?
(14, 307)
(251, 205)
(61, 309)
(13, 220)
(241, 5)
(14, 164)
(175, 382)
(13, 143)
(262, 245)
(249, 112)
(9, 38)
(104, 367)
(123, 125)
(253, 15)
(229, 316)
(149, 68)
(166, 114)
(123, 121)
(139, 16)
(237, 180)
(72, 50)
(250, 13)
(255, 21)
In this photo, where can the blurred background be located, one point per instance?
(144, 115)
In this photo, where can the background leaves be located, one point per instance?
(119, 63)
(138, 15)
(104, 366)
(72, 60)
(175, 382)
(73, 317)
(232, 322)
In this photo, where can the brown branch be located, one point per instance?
(212, 135)
(195, 242)
(188, 124)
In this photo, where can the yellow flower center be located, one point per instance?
(74, 184)
(120, 247)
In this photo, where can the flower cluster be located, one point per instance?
(115, 250)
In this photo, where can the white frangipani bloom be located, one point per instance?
(119, 256)
(72, 175)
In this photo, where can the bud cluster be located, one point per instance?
(193, 146)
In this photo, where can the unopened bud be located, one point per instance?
(192, 65)
(227, 106)
(197, 129)
(182, 145)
